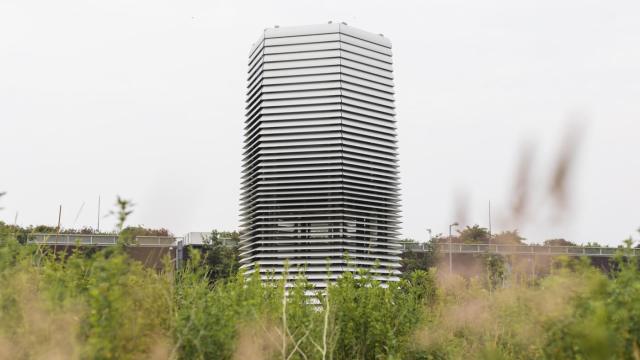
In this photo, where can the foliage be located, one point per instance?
(371, 321)
(133, 231)
(509, 322)
(356, 319)
(420, 260)
(473, 235)
(222, 258)
(22, 234)
(508, 238)
(109, 306)
(124, 210)
(104, 305)
(496, 271)
(593, 244)
(558, 242)
(605, 322)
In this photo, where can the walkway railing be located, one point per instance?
(456, 248)
(97, 240)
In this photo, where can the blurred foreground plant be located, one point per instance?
(101, 304)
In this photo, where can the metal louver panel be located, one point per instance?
(320, 185)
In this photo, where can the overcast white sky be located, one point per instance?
(145, 99)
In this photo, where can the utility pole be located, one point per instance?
(59, 217)
(428, 241)
(490, 233)
(450, 249)
(15, 224)
(489, 217)
(98, 229)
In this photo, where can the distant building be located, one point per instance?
(204, 238)
(320, 183)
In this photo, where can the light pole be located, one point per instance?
(450, 255)
(429, 231)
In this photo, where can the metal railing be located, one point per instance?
(155, 240)
(454, 248)
(457, 248)
(97, 240)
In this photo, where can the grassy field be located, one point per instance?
(104, 305)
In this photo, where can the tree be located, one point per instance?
(131, 232)
(558, 242)
(221, 257)
(508, 238)
(420, 260)
(474, 235)
(496, 270)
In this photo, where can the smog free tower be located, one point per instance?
(320, 186)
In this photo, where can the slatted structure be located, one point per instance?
(320, 185)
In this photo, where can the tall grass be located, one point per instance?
(104, 305)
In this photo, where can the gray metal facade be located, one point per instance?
(320, 182)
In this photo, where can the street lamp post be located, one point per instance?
(450, 249)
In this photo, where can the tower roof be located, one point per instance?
(329, 28)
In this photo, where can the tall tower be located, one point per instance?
(320, 181)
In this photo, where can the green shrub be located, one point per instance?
(101, 304)
(605, 321)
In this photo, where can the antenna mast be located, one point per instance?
(98, 229)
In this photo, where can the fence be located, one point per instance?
(97, 240)
(456, 248)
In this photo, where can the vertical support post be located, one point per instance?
(490, 233)
(98, 228)
(450, 255)
(533, 267)
(179, 254)
(451, 249)
(59, 217)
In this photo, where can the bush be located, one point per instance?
(605, 321)
(110, 306)
(103, 305)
